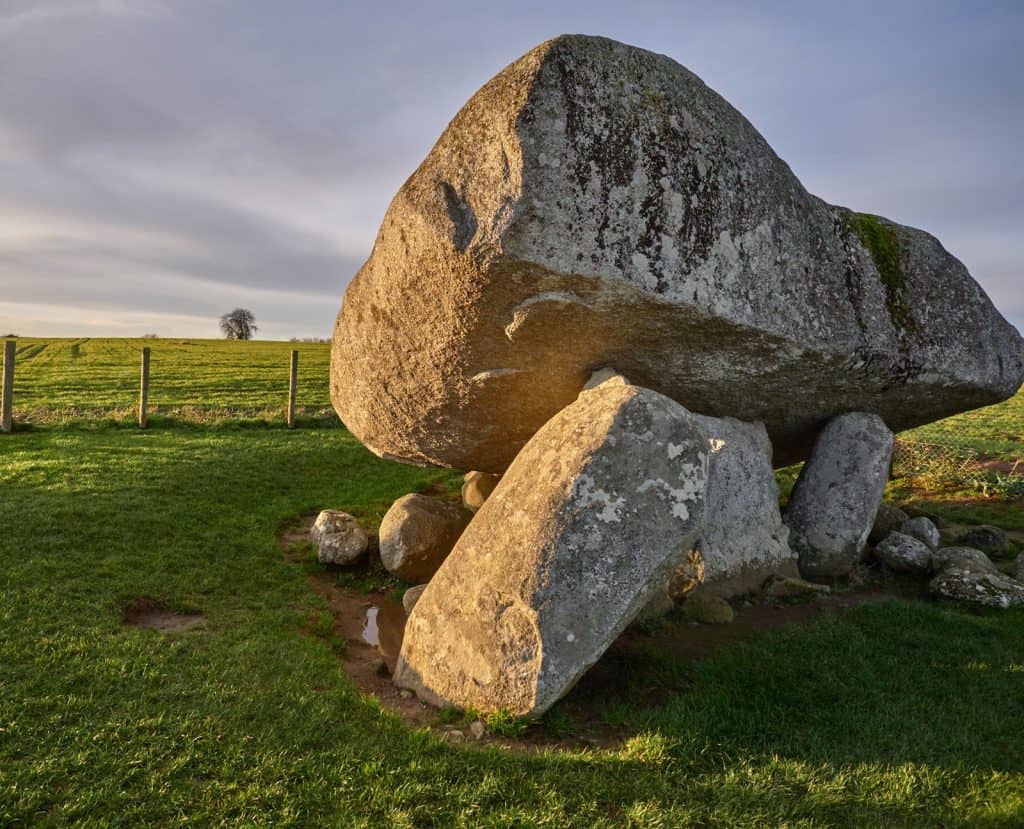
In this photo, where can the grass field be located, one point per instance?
(190, 379)
(897, 713)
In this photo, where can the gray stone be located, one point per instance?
(708, 609)
(984, 537)
(1019, 568)
(964, 579)
(744, 539)
(417, 534)
(888, 519)
(832, 507)
(476, 488)
(596, 204)
(411, 596)
(963, 556)
(339, 538)
(904, 554)
(924, 530)
(584, 528)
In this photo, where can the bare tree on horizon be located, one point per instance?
(239, 324)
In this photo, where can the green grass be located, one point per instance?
(895, 714)
(71, 378)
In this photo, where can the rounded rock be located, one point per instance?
(888, 519)
(476, 487)
(904, 553)
(418, 533)
(339, 538)
(990, 540)
(924, 530)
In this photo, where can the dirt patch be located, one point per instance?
(632, 672)
(150, 614)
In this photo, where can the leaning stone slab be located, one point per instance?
(744, 539)
(832, 508)
(595, 204)
(339, 538)
(582, 531)
(417, 533)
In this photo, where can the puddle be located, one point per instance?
(371, 634)
(384, 627)
(145, 613)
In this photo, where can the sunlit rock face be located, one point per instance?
(596, 512)
(597, 205)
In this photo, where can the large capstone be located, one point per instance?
(597, 205)
(601, 505)
(832, 508)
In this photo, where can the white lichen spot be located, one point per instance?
(591, 496)
(571, 637)
(675, 450)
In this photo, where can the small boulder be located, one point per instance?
(708, 609)
(411, 596)
(417, 534)
(586, 527)
(924, 530)
(477, 729)
(904, 553)
(339, 538)
(990, 540)
(945, 555)
(835, 500)
(964, 579)
(888, 519)
(476, 487)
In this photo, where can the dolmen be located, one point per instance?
(605, 294)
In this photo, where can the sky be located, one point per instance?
(165, 161)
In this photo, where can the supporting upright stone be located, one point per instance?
(582, 531)
(833, 505)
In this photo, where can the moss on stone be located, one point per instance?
(884, 246)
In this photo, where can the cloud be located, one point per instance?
(30, 13)
(168, 157)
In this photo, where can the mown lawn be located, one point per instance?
(900, 713)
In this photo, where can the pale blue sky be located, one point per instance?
(162, 161)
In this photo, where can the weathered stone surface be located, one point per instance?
(597, 205)
(832, 507)
(708, 609)
(944, 555)
(984, 537)
(476, 487)
(924, 530)
(411, 596)
(1020, 568)
(888, 519)
(583, 530)
(417, 534)
(687, 575)
(744, 539)
(338, 537)
(966, 579)
(904, 553)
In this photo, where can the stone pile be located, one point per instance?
(597, 208)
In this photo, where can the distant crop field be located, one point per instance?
(58, 377)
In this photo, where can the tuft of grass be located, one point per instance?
(504, 724)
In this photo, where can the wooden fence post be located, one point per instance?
(7, 406)
(293, 374)
(144, 388)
